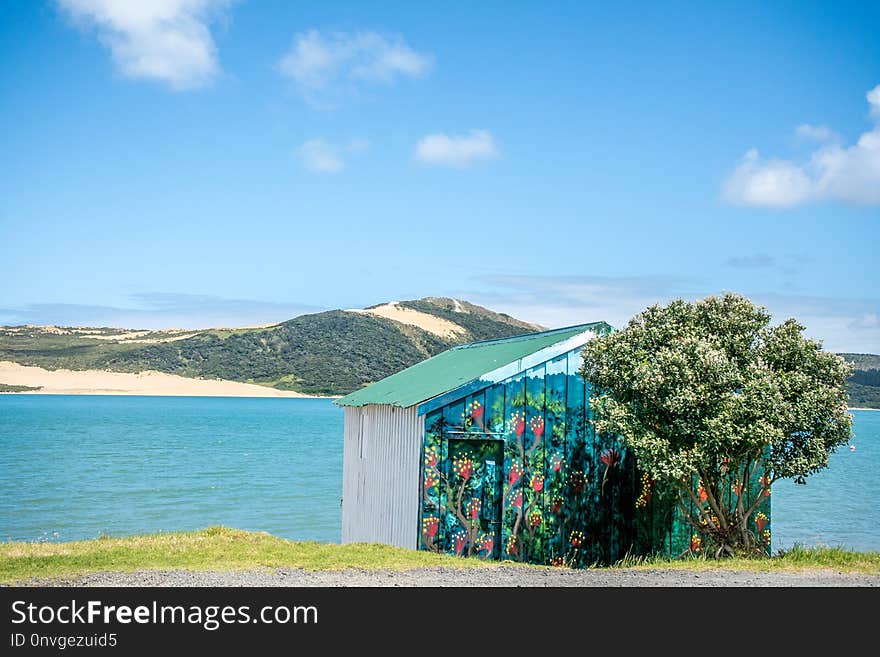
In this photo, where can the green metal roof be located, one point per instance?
(457, 366)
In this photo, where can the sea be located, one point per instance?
(83, 466)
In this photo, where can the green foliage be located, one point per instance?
(5, 387)
(863, 396)
(708, 394)
(329, 353)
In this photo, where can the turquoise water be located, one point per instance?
(76, 467)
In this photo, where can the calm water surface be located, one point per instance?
(76, 467)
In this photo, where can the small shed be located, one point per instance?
(487, 450)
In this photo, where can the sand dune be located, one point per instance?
(436, 325)
(96, 382)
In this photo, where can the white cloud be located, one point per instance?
(843, 324)
(156, 310)
(320, 156)
(323, 65)
(163, 40)
(832, 173)
(820, 133)
(456, 151)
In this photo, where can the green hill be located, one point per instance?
(864, 384)
(332, 352)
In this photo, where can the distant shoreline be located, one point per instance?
(858, 408)
(149, 383)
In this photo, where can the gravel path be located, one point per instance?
(499, 576)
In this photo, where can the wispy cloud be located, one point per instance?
(818, 133)
(163, 40)
(159, 310)
(833, 172)
(842, 324)
(325, 66)
(320, 156)
(457, 150)
(757, 261)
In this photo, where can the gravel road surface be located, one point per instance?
(499, 576)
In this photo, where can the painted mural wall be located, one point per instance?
(517, 472)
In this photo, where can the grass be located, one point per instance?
(797, 558)
(6, 387)
(221, 548)
(215, 548)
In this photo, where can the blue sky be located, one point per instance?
(205, 162)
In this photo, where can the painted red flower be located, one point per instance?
(463, 467)
(518, 423)
(557, 505)
(512, 545)
(431, 524)
(430, 480)
(537, 483)
(516, 500)
(476, 410)
(696, 543)
(536, 424)
(474, 508)
(431, 458)
(577, 538)
(703, 495)
(488, 544)
(610, 457)
(460, 541)
(514, 474)
(556, 462)
(761, 522)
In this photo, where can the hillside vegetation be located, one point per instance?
(864, 384)
(331, 353)
(328, 353)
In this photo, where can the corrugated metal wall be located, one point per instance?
(380, 481)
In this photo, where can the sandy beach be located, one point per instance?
(97, 382)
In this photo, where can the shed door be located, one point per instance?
(476, 472)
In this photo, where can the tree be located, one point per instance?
(710, 397)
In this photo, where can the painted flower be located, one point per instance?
(514, 474)
(431, 457)
(738, 487)
(474, 508)
(516, 499)
(577, 538)
(647, 491)
(610, 457)
(476, 410)
(459, 540)
(487, 544)
(761, 520)
(537, 483)
(430, 525)
(536, 424)
(766, 535)
(576, 481)
(512, 545)
(556, 462)
(535, 518)
(558, 562)
(557, 504)
(463, 467)
(696, 543)
(765, 483)
(518, 423)
(703, 494)
(430, 480)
